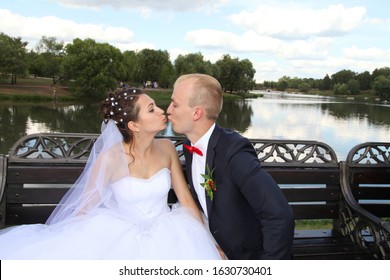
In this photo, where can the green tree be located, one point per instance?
(341, 89)
(13, 60)
(130, 67)
(235, 75)
(282, 84)
(167, 76)
(365, 80)
(353, 86)
(304, 87)
(152, 64)
(326, 83)
(191, 63)
(384, 71)
(269, 84)
(33, 62)
(342, 77)
(91, 68)
(381, 86)
(294, 82)
(50, 55)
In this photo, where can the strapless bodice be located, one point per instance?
(143, 198)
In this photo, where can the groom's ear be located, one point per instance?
(198, 113)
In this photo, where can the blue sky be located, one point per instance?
(304, 39)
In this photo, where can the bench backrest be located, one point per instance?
(42, 167)
(369, 176)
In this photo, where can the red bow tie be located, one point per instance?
(193, 149)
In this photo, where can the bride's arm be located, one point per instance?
(183, 193)
(96, 182)
(179, 182)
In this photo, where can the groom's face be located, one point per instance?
(179, 113)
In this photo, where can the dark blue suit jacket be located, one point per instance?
(249, 216)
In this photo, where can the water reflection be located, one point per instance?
(339, 124)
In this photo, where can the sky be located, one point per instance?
(303, 39)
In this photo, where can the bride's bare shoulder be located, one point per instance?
(164, 143)
(113, 153)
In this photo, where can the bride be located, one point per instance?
(118, 208)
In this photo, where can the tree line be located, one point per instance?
(344, 82)
(90, 69)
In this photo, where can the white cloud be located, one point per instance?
(316, 48)
(364, 54)
(378, 21)
(247, 42)
(294, 23)
(267, 66)
(147, 5)
(213, 57)
(175, 52)
(33, 28)
(332, 65)
(133, 46)
(268, 70)
(252, 42)
(283, 38)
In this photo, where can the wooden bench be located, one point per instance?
(40, 168)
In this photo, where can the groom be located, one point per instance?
(247, 212)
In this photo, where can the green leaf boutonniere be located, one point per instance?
(209, 184)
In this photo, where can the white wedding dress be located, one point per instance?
(141, 226)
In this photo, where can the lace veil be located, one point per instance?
(106, 164)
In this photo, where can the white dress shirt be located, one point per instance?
(199, 166)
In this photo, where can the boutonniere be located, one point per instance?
(209, 184)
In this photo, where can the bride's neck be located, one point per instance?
(140, 146)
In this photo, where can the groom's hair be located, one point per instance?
(207, 92)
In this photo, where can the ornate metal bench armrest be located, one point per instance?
(364, 228)
(3, 177)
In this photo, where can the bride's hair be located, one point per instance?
(120, 106)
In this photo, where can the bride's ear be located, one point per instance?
(133, 126)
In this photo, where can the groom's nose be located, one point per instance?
(169, 110)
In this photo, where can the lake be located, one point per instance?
(340, 123)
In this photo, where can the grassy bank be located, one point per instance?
(41, 90)
(364, 95)
(34, 89)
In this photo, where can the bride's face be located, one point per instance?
(150, 117)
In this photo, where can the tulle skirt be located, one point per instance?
(106, 235)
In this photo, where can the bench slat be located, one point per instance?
(312, 194)
(303, 176)
(27, 215)
(310, 212)
(371, 192)
(36, 196)
(43, 174)
(379, 210)
(370, 175)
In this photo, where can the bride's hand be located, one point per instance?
(222, 254)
